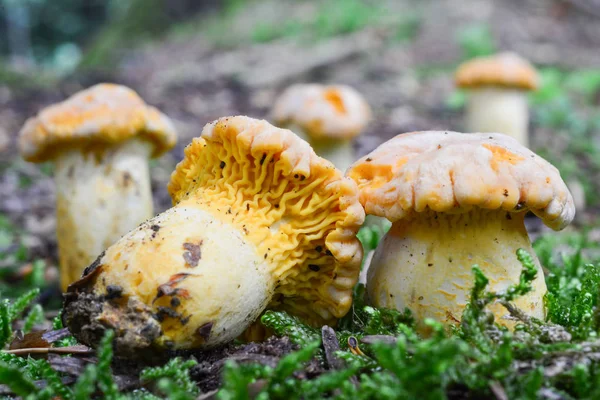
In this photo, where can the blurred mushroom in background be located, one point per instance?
(328, 117)
(100, 141)
(497, 98)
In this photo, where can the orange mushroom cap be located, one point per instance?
(504, 70)
(103, 114)
(333, 112)
(455, 172)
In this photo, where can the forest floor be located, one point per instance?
(400, 55)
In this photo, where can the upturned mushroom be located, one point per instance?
(455, 200)
(497, 98)
(328, 117)
(259, 220)
(100, 141)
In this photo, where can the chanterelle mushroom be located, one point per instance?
(455, 200)
(328, 117)
(100, 140)
(498, 87)
(258, 220)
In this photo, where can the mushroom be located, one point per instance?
(498, 88)
(455, 200)
(328, 117)
(100, 141)
(259, 220)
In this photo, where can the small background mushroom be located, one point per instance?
(498, 87)
(100, 141)
(328, 117)
(456, 200)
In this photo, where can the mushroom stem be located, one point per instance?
(339, 151)
(501, 110)
(100, 195)
(211, 284)
(424, 263)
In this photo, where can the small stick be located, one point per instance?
(51, 350)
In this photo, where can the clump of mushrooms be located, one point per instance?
(498, 87)
(100, 141)
(328, 117)
(259, 220)
(455, 200)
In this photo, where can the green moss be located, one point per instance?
(477, 358)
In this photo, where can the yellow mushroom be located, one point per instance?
(328, 117)
(100, 141)
(455, 200)
(259, 220)
(498, 88)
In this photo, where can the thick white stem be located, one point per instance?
(425, 264)
(99, 197)
(499, 110)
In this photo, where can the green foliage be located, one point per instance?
(57, 28)
(20, 304)
(86, 383)
(19, 374)
(35, 316)
(468, 359)
(284, 324)
(16, 380)
(176, 372)
(57, 324)
(55, 387)
(5, 324)
(584, 82)
(13, 258)
(573, 283)
(372, 232)
(366, 320)
(130, 26)
(456, 100)
(174, 391)
(277, 382)
(343, 16)
(9, 312)
(408, 27)
(476, 40)
(232, 6)
(330, 18)
(57, 321)
(237, 377)
(421, 366)
(104, 374)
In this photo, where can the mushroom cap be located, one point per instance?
(103, 114)
(507, 70)
(453, 172)
(297, 209)
(333, 112)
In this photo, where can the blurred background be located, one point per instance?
(198, 60)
